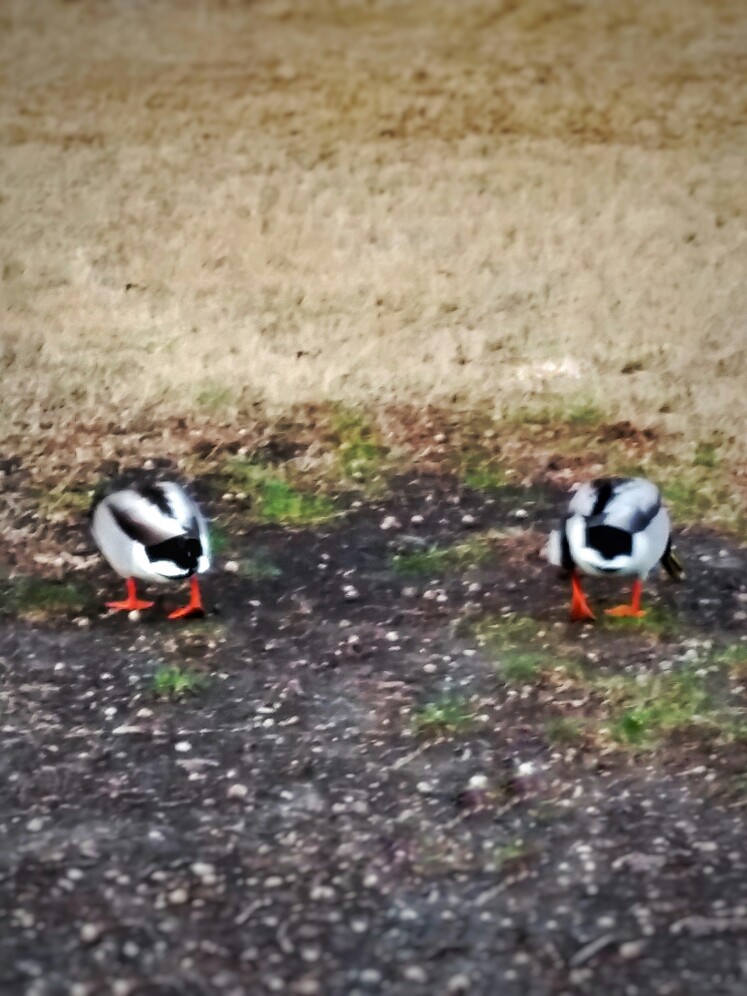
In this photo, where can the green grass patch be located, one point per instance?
(361, 454)
(507, 631)
(61, 503)
(439, 560)
(170, 682)
(509, 854)
(703, 493)
(645, 710)
(659, 621)
(449, 714)
(481, 472)
(580, 413)
(521, 667)
(707, 455)
(220, 539)
(37, 598)
(273, 498)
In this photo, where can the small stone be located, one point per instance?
(35, 825)
(415, 973)
(232, 566)
(632, 949)
(417, 520)
(370, 976)
(350, 593)
(469, 520)
(237, 791)
(134, 616)
(178, 897)
(91, 932)
(520, 513)
(183, 746)
(478, 782)
(307, 987)
(390, 522)
(392, 636)
(204, 871)
(458, 984)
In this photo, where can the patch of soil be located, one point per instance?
(285, 830)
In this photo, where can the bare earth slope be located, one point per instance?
(216, 203)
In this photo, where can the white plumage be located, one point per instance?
(614, 526)
(153, 532)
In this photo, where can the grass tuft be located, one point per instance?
(521, 667)
(449, 714)
(509, 854)
(481, 472)
(437, 561)
(171, 682)
(644, 710)
(38, 598)
(63, 503)
(507, 631)
(361, 455)
(273, 498)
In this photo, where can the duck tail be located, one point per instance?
(672, 564)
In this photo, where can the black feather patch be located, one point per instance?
(156, 496)
(184, 551)
(137, 531)
(566, 560)
(609, 541)
(604, 487)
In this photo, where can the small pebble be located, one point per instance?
(390, 522)
(237, 791)
(183, 746)
(134, 616)
(232, 566)
(178, 897)
(90, 932)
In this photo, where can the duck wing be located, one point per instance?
(143, 519)
(187, 513)
(632, 506)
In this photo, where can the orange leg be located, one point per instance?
(132, 602)
(195, 606)
(634, 609)
(579, 606)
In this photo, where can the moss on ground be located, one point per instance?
(37, 599)
(273, 497)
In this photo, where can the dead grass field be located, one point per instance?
(207, 205)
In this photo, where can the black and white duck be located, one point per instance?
(152, 532)
(614, 526)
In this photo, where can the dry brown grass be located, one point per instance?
(207, 204)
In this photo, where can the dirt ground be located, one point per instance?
(204, 205)
(368, 792)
